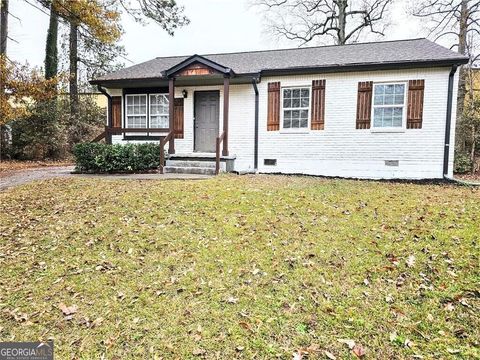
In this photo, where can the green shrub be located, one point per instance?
(118, 158)
(462, 163)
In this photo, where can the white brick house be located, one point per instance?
(375, 110)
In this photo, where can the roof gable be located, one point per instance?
(196, 65)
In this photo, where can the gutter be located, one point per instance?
(448, 122)
(255, 147)
(108, 138)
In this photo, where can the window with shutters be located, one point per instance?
(136, 111)
(388, 110)
(159, 112)
(295, 108)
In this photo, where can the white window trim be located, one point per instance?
(126, 110)
(296, 130)
(391, 129)
(150, 109)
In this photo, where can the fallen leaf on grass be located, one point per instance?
(389, 298)
(350, 343)
(408, 343)
(68, 310)
(393, 336)
(454, 351)
(329, 355)
(358, 351)
(199, 352)
(231, 300)
(449, 306)
(410, 261)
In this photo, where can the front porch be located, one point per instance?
(198, 93)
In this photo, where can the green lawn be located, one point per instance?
(241, 267)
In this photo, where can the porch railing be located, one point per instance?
(100, 137)
(163, 142)
(119, 131)
(217, 151)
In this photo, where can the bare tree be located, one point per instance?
(341, 20)
(456, 22)
(3, 54)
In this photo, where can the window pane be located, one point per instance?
(136, 121)
(305, 93)
(295, 102)
(287, 103)
(295, 123)
(378, 100)
(303, 123)
(379, 89)
(388, 99)
(158, 121)
(304, 114)
(296, 93)
(377, 117)
(287, 93)
(399, 99)
(399, 88)
(389, 89)
(305, 102)
(387, 117)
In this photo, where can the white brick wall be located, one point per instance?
(340, 149)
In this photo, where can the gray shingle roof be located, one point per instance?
(387, 52)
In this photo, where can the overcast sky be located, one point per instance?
(216, 26)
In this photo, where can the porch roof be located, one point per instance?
(354, 57)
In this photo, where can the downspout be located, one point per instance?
(108, 138)
(448, 123)
(255, 148)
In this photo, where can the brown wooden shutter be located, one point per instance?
(116, 112)
(364, 104)
(273, 116)
(415, 104)
(318, 105)
(178, 118)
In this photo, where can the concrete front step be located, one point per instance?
(189, 170)
(191, 163)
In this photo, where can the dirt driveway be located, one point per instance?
(19, 177)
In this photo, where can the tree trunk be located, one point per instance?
(3, 53)
(3, 26)
(73, 58)
(51, 50)
(342, 21)
(462, 49)
(472, 150)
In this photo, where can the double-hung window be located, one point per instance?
(136, 111)
(159, 112)
(389, 105)
(296, 108)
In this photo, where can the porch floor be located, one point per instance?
(203, 155)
